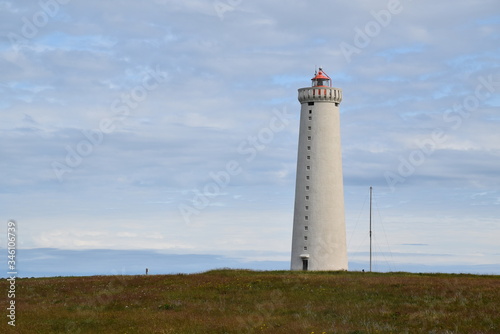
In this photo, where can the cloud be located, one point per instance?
(223, 79)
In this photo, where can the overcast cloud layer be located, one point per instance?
(173, 125)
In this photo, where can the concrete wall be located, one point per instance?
(319, 176)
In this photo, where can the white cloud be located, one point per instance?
(224, 77)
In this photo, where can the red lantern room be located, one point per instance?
(321, 79)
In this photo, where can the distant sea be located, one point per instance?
(48, 262)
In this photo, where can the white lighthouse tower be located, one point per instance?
(319, 236)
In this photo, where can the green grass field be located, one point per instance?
(240, 301)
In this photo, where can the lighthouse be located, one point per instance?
(319, 236)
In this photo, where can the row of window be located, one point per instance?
(308, 167)
(308, 177)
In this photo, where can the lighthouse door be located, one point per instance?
(305, 264)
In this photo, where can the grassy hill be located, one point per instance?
(240, 301)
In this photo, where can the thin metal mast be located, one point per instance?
(370, 228)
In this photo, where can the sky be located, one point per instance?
(171, 127)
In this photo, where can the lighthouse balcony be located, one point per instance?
(320, 94)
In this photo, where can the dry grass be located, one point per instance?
(239, 301)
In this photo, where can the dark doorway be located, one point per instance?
(305, 264)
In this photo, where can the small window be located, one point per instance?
(307, 217)
(308, 128)
(307, 198)
(308, 137)
(305, 248)
(310, 118)
(310, 112)
(308, 167)
(306, 228)
(310, 103)
(307, 177)
(307, 207)
(308, 148)
(308, 157)
(307, 187)
(305, 237)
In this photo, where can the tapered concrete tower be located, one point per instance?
(319, 236)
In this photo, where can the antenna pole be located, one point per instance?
(370, 228)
